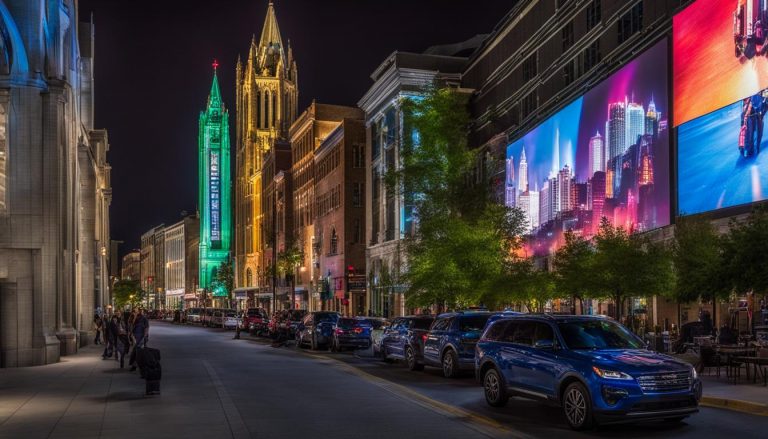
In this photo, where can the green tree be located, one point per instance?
(745, 252)
(629, 266)
(463, 238)
(574, 264)
(127, 292)
(225, 278)
(698, 263)
(288, 261)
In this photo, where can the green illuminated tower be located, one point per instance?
(215, 187)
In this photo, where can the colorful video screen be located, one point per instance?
(604, 155)
(720, 163)
(720, 55)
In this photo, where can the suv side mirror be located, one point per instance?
(547, 345)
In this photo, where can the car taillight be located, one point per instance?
(424, 338)
(358, 330)
(339, 331)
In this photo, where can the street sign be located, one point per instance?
(356, 282)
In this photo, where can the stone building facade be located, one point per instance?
(131, 266)
(267, 100)
(182, 242)
(401, 76)
(55, 188)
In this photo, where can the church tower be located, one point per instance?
(214, 189)
(267, 99)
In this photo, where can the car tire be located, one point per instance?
(410, 360)
(313, 343)
(494, 388)
(333, 346)
(577, 407)
(384, 356)
(450, 364)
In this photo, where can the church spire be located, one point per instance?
(214, 98)
(270, 34)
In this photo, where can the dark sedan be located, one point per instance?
(351, 333)
(404, 340)
(317, 329)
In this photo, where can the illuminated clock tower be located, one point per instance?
(215, 185)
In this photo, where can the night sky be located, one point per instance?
(153, 74)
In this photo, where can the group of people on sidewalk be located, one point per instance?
(124, 334)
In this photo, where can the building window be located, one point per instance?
(591, 56)
(389, 126)
(358, 231)
(334, 242)
(375, 140)
(594, 14)
(530, 67)
(630, 23)
(529, 104)
(3, 157)
(567, 34)
(358, 156)
(357, 195)
(569, 72)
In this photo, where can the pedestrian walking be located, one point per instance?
(110, 337)
(121, 339)
(139, 332)
(98, 325)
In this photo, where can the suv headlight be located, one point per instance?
(694, 374)
(611, 374)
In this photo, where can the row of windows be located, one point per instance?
(383, 132)
(328, 163)
(303, 146)
(329, 201)
(358, 156)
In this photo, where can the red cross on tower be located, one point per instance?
(215, 64)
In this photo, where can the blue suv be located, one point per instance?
(593, 367)
(450, 342)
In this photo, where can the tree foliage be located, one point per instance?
(698, 262)
(745, 254)
(629, 266)
(127, 292)
(464, 240)
(574, 264)
(225, 277)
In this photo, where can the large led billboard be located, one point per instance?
(720, 72)
(604, 155)
(720, 50)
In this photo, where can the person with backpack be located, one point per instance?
(139, 331)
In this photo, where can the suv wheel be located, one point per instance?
(313, 343)
(450, 364)
(577, 407)
(334, 346)
(495, 390)
(410, 359)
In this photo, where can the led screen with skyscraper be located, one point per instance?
(604, 155)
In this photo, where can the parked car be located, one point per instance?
(404, 340)
(194, 314)
(231, 320)
(450, 343)
(206, 316)
(380, 324)
(593, 367)
(286, 320)
(354, 333)
(256, 320)
(317, 329)
(219, 315)
(295, 316)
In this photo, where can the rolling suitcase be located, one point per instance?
(151, 370)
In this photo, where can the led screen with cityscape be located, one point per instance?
(604, 155)
(720, 55)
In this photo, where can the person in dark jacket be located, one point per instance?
(139, 331)
(98, 325)
(121, 339)
(110, 340)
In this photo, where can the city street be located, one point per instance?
(217, 387)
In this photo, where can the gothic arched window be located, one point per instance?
(248, 277)
(267, 110)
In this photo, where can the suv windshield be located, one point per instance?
(598, 334)
(347, 323)
(473, 323)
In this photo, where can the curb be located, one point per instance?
(736, 405)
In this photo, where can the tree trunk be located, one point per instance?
(617, 302)
(714, 314)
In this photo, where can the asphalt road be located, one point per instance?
(217, 387)
(287, 391)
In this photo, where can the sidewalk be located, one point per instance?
(743, 396)
(84, 396)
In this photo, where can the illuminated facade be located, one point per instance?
(267, 98)
(215, 184)
(55, 188)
